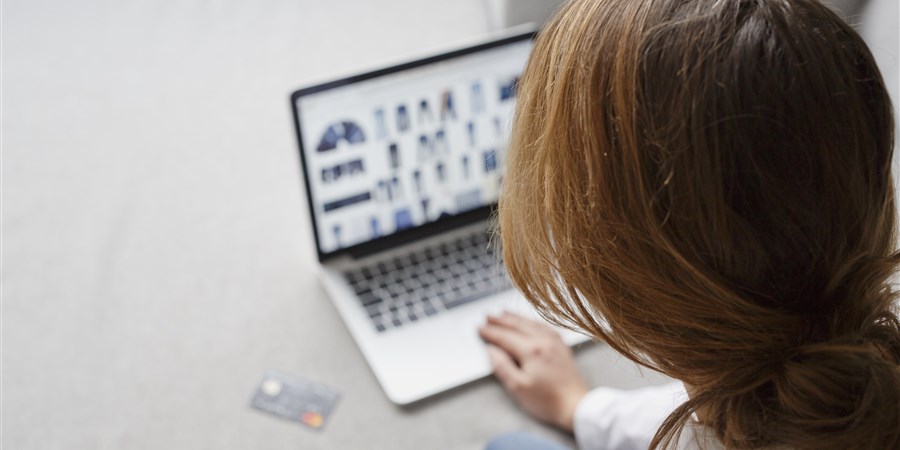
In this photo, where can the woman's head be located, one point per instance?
(705, 185)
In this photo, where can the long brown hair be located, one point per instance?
(705, 185)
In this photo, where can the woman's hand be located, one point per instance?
(535, 366)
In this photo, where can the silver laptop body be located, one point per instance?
(402, 169)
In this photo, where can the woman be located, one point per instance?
(705, 186)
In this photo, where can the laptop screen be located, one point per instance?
(407, 146)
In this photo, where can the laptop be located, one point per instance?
(402, 168)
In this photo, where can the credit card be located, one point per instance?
(295, 399)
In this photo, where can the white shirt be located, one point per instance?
(615, 419)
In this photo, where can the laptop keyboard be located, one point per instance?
(424, 283)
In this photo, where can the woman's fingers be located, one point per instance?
(507, 338)
(505, 368)
(535, 366)
(520, 324)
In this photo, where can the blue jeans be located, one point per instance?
(522, 441)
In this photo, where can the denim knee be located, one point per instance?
(522, 441)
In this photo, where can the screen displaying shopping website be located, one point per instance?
(405, 149)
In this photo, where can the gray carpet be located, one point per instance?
(157, 258)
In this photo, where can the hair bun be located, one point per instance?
(833, 389)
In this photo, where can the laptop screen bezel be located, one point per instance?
(411, 234)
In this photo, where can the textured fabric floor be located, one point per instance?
(156, 253)
(157, 258)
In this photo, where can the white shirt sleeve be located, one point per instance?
(616, 419)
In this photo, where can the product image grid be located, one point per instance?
(406, 153)
(419, 151)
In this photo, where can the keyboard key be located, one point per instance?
(396, 290)
(374, 311)
(459, 301)
(369, 299)
(427, 279)
(474, 265)
(442, 274)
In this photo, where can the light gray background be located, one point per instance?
(157, 257)
(157, 254)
